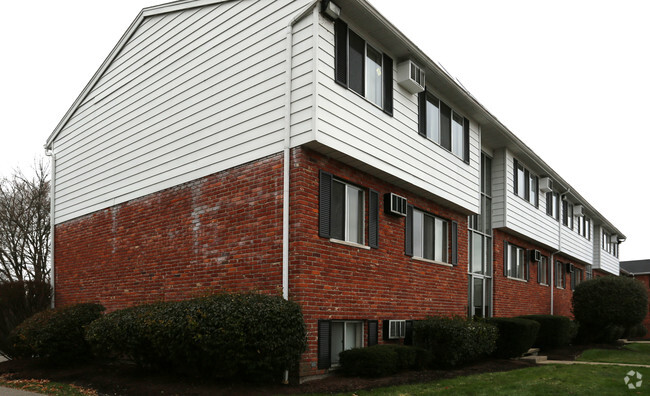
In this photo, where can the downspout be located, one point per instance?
(559, 248)
(287, 156)
(50, 153)
(287, 148)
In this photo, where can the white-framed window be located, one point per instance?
(576, 277)
(443, 125)
(345, 335)
(347, 212)
(567, 214)
(589, 272)
(516, 262)
(543, 271)
(396, 329)
(526, 184)
(363, 68)
(553, 205)
(430, 237)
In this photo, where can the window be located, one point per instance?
(607, 244)
(576, 277)
(567, 214)
(362, 68)
(525, 184)
(342, 211)
(430, 237)
(396, 329)
(589, 272)
(443, 125)
(583, 226)
(542, 271)
(516, 262)
(335, 337)
(560, 274)
(552, 205)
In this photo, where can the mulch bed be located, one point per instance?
(113, 379)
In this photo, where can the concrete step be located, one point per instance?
(534, 358)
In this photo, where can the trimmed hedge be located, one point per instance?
(250, 336)
(381, 360)
(516, 336)
(56, 335)
(554, 331)
(19, 301)
(454, 341)
(606, 307)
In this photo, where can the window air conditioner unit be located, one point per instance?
(613, 238)
(410, 76)
(396, 329)
(578, 210)
(569, 268)
(535, 255)
(546, 185)
(394, 204)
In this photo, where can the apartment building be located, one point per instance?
(307, 148)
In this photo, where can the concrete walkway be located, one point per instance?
(591, 363)
(16, 392)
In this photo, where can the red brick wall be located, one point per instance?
(334, 281)
(222, 232)
(645, 279)
(513, 297)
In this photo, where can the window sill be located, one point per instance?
(559, 287)
(351, 244)
(544, 284)
(425, 260)
(518, 279)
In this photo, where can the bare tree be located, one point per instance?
(25, 225)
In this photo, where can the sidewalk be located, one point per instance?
(16, 392)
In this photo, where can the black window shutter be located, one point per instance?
(445, 125)
(324, 204)
(515, 164)
(388, 85)
(408, 333)
(466, 140)
(454, 243)
(356, 63)
(408, 232)
(422, 113)
(549, 203)
(373, 332)
(324, 344)
(506, 252)
(341, 52)
(373, 219)
(537, 192)
(386, 330)
(539, 271)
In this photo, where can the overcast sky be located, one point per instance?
(570, 78)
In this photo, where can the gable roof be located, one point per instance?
(636, 267)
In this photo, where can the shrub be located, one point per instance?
(554, 331)
(227, 335)
(381, 360)
(604, 306)
(56, 335)
(516, 336)
(454, 341)
(19, 301)
(637, 331)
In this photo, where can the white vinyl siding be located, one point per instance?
(351, 127)
(191, 93)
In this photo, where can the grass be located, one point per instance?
(538, 380)
(631, 353)
(46, 387)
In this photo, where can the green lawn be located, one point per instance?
(538, 380)
(632, 353)
(46, 387)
